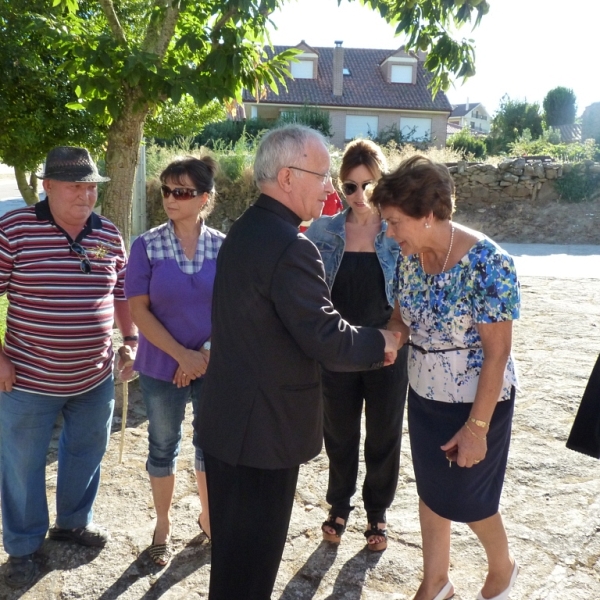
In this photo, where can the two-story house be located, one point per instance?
(364, 91)
(472, 115)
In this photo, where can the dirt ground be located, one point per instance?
(551, 499)
(539, 222)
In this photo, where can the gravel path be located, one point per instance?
(550, 501)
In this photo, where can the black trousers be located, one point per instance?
(250, 513)
(384, 394)
(585, 433)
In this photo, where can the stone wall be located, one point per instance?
(530, 180)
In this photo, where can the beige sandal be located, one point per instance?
(160, 554)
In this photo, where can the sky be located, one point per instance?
(523, 48)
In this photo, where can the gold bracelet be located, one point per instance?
(483, 439)
(478, 422)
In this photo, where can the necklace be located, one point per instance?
(447, 254)
(190, 243)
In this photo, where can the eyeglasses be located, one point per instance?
(324, 176)
(178, 193)
(85, 265)
(350, 188)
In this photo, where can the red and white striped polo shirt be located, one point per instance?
(60, 319)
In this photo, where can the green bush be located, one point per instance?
(578, 184)
(467, 144)
(393, 135)
(182, 120)
(229, 132)
(560, 106)
(549, 144)
(311, 116)
(509, 123)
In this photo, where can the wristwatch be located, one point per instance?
(206, 346)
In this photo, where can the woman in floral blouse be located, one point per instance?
(457, 296)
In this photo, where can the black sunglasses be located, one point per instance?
(350, 188)
(85, 265)
(178, 193)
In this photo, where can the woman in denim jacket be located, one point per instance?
(360, 262)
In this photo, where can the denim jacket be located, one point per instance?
(329, 236)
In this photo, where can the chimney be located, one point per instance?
(338, 69)
(467, 106)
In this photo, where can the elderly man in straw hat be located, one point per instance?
(62, 267)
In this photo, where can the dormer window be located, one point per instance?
(346, 71)
(400, 68)
(303, 69)
(401, 74)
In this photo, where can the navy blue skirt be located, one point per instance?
(457, 493)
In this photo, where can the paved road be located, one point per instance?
(537, 260)
(549, 260)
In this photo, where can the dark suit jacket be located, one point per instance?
(585, 434)
(272, 324)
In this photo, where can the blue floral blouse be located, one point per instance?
(442, 312)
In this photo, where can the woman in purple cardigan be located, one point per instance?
(169, 286)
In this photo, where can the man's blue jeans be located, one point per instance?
(26, 422)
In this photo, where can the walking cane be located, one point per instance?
(125, 385)
(126, 356)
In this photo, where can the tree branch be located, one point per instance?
(108, 9)
(214, 35)
(160, 32)
(28, 192)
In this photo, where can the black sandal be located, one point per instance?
(339, 528)
(375, 531)
(203, 530)
(160, 553)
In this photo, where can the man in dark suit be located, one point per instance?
(273, 323)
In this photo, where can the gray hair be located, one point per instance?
(282, 147)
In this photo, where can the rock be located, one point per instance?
(485, 178)
(510, 178)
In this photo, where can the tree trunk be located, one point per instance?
(29, 190)
(124, 139)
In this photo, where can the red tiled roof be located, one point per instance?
(365, 87)
(452, 128)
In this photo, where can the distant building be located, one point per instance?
(569, 133)
(365, 91)
(452, 129)
(472, 115)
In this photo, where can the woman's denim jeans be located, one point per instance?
(26, 423)
(165, 408)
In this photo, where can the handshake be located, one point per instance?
(393, 340)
